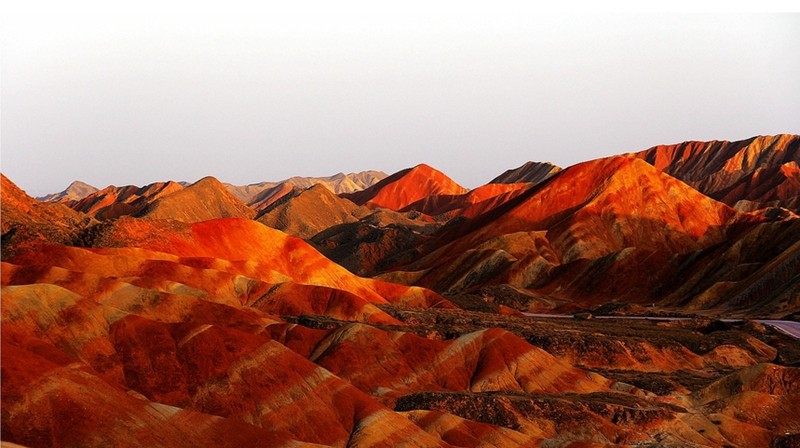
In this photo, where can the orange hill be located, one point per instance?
(203, 200)
(310, 212)
(406, 187)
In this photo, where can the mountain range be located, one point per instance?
(407, 310)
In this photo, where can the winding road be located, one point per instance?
(788, 327)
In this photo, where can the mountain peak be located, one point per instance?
(208, 181)
(310, 211)
(406, 187)
(76, 191)
(208, 198)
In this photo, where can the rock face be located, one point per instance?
(338, 183)
(750, 174)
(76, 191)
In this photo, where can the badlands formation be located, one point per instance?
(407, 310)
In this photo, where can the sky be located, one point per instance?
(131, 97)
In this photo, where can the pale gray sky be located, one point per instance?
(134, 98)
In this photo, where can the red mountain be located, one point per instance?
(601, 221)
(749, 174)
(407, 187)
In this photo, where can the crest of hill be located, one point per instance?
(531, 172)
(310, 212)
(760, 171)
(338, 183)
(407, 187)
(203, 200)
(76, 191)
(112, 202)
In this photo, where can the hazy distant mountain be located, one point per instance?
(76, 191)
(338, 183)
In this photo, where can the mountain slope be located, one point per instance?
(609, 204)
(608, 228)
(469, 204)
(760, 170)
(271, 255)
(270, 195)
